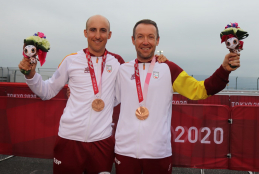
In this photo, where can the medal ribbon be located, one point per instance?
(137, 79)
(91, 69)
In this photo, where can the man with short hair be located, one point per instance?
(84, 142)
(145, 89)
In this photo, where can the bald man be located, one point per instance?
(84, 142)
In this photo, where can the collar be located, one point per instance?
(146, 62)
(93, 54)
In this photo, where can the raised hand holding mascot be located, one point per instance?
(232, 36)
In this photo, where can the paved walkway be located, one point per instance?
(24, 165)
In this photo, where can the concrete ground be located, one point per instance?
(24, 165)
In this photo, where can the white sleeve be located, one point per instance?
(117, 90)
(49, 88)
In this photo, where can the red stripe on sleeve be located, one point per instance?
(174, 69)
(120, 59)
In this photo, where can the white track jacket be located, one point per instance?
(151, 138)
(79, 121)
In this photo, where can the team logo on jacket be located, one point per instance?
(155, 75)
(132, 77)
(87, 70)
(108, 68)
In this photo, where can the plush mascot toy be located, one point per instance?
(33, 46)
(232, 36)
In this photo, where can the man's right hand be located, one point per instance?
(26, 65)
(68, 92)
(232, 59)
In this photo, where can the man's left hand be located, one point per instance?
(161, 58)
(231, 59)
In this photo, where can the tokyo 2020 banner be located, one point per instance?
(220, 132)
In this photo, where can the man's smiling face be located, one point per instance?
(145, 40)
(97, 33)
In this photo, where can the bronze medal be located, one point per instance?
(142, 113)
(98, 105)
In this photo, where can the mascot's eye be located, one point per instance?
(235, 41)
(26, 51)
(33, 50)
(228, 44)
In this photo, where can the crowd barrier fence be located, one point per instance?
(244, 142)
(217, 133)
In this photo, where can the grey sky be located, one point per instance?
(189, 29)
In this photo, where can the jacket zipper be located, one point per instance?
(88, 124)
(142, 86)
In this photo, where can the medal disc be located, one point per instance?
(98, 105)
(142, 113)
